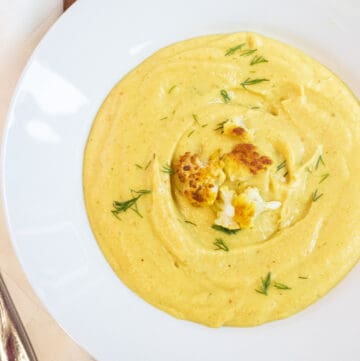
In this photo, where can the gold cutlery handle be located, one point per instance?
(15, 344)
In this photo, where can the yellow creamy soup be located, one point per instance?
(221, 180)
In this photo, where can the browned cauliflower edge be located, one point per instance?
(198, 181)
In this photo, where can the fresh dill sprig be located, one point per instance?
(303, 277)
(148, 164)
(255, 108)
(234, 49)
(248, 52)
(225, 96)
(258, 59)
(163, 118)
(145, 167)
(171, 89)
(189, 222)
(265, 284)
(285, 174)
(197, 121)
(224, 229)
(281, 165)
(196, 118)
(319, 160)
(167, 169)
(249, 81)
(308, 170)
(323, 177)
(123, 206)
(221, 245)
(281, 286)
(316, 196)
(191, 133)
(220, 126)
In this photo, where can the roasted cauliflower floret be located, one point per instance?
(248, 205)
(199, 182)
(225, 210)
(235, 127)
(236, 211)
(244, 161)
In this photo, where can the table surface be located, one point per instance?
(22, 25)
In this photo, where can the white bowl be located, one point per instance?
(87, 51)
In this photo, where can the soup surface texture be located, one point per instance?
(222, 180)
